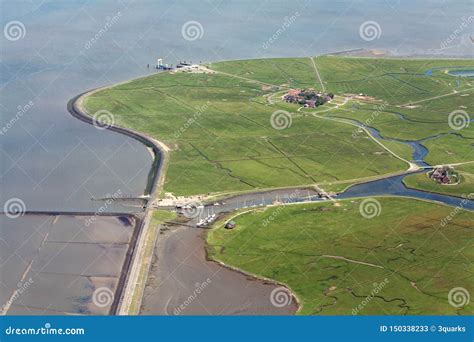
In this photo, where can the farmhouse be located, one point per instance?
(444, 175)
(309, 98)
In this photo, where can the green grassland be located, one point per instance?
(218, 125)
(161, 216)
(406, 244)
(429, 123)
(428, 119)
(464, 188)
(396, 81)
(287, 72)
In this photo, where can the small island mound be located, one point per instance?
(309, 98)
(444, 175)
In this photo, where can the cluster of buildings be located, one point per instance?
(162, 66)
(444, 175)
(309, 98)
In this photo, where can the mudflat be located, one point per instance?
(183, 282)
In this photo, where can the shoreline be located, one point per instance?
(229, 217)
(180, 263)
(346, 54)
(155, 183)
(130, 272)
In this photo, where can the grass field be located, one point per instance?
(218, 125)
(428, 123)
(406, 253)
(396, 81)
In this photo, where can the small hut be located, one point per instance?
(230, 225)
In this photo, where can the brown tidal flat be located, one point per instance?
(183, 282)
(57, 266)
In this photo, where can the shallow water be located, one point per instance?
(394, 186)
(462, 73)
(62, 263)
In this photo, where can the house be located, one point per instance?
(444, 175)
(308, 98)
(293, 92)
(230, 225)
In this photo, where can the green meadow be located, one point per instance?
(405, 260)
(218, 125)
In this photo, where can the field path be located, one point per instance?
(412, 166)
(318, 76)
(437, 97)
(246, 78)
(350, 260)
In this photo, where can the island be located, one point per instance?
(351, 143)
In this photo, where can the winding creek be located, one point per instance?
(419, 150)
(390, 186)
